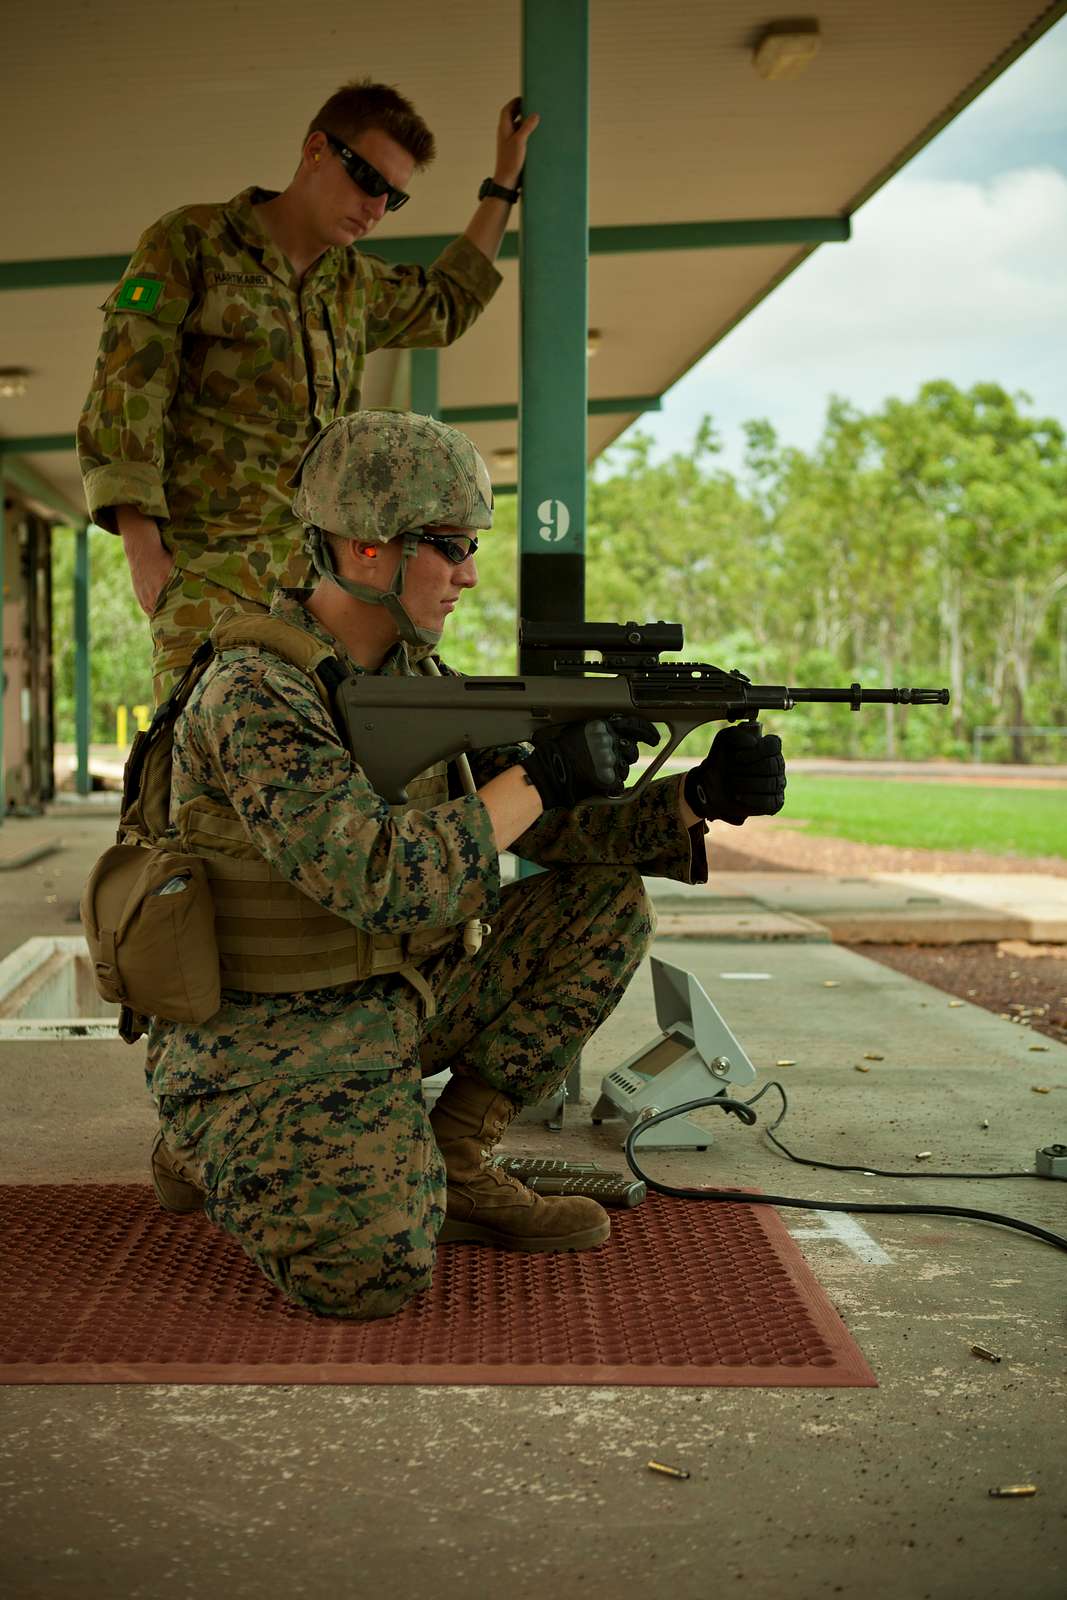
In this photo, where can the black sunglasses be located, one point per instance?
(368, 178)
(455, 547)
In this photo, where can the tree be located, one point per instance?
(120, 645)
(921, 542)
(991, 483)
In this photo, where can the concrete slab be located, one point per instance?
(142, 1491)
(138, 1491)
(881, 908)
(757, 923)
(40, 895)
(74, 1112)
(727, 909)
(1037, 901)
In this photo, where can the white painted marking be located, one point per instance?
(555, 519)
(740, 975)
(847, 1231)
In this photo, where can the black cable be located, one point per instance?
(737, 1197)
(868, 1172)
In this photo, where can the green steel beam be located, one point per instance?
(36, 444)
(424, 383)
(63, 272)
(21, 476)
(653, 236)
(424, 248)
(82, 692)
(618, 405)
(554, 313)
(457, 415)
(649, 237)
(623, 404)
(608, 406)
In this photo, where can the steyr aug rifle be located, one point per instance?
(400, 726)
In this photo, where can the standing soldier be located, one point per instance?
(239, 330)
(362, 946)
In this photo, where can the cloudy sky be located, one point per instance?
(956, 269)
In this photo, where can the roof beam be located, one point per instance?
(17, 474)
(612, 406)
(64, 272)
(744, 231)
(34, 444)
(618, 406)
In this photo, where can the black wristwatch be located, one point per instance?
(496, 191)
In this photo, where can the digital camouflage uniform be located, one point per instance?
(216, 367)
(302, 1114)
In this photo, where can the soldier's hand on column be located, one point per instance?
(512, 132)
(743, 775)
(579, 761)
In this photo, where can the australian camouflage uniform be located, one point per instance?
(298, 1109)
(216, 367)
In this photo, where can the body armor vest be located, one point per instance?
(272, 938)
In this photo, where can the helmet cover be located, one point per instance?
(376, 474)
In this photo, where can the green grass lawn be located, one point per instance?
(934, 816)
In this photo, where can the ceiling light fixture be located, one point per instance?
(786, 49)
(13, 381)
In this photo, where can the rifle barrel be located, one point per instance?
(855, 696)
(688, 686)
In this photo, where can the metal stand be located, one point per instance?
(693, 1056)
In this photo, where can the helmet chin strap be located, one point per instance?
(321, 557)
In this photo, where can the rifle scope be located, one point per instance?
(611, 638)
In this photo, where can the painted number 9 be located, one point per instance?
(555, 520)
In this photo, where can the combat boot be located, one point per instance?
(176, 1189)
(488, 1206)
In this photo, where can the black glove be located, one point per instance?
(577, 761)
(743, 775)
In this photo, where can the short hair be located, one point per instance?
(359, 106)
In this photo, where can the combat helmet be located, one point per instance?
(384, 475)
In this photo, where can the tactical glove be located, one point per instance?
(743, 775)
(581, 760)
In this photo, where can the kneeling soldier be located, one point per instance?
(349, 931)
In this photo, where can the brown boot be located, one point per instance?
(176, 1189)
(487, 1206)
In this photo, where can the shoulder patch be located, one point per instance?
(139, 294)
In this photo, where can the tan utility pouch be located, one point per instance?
(149, 923)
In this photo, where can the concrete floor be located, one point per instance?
(163, 1491)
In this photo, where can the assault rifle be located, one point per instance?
(398, 727)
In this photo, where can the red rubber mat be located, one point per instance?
(103, 1287)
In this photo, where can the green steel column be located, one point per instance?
(554, 278)
(82, 708)
(424, 364)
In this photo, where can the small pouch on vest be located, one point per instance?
(149, 923)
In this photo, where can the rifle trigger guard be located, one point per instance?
(677, 734)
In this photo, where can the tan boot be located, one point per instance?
(487, 1206)
(176, 1189)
